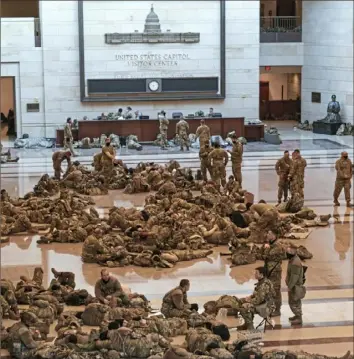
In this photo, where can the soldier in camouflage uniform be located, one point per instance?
(263, 295)
(204, 160)
(297, 174)
(8, 300)
(295, 283)
(175, 302)
(290, 354)
(163, 129)
(282, 168)
(182, 129)
(273, 255)
(236, 159)
(203, 133)
(344, 170)
(64, 278)
(108, 157)
(108, 290)
(68, 137)
(21, 343)
(57, 158)
(218, 158)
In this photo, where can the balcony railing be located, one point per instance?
(37, 33)
(280, 29)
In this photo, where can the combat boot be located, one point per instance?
(55, 272)
(297, 320)
(336, 203)
(276, 313)
(292, 318)
(349, 205)
(347, 355)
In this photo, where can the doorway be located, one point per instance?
(8, 106)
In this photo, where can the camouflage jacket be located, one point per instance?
(218, 156)
(58, 157)
(67, 132)
(283, 166)
(182, 127)
(203, 132)
(344, 168)
(273, 257)
(112, 288)
(108, 154)
(176, 298)
(263, 292)
(237, 152)
(298, 168)
(204, 153)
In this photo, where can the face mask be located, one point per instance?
(108, 144)
(289, 256)
(345, 157)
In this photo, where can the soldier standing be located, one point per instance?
(203, 133)
(236, 159)
(295, 283)
(344, 170)
(163, 129)
(68, 137)
(57, 158)
(108, 156)
(274, 254)
(204, 160)
(182, 129)
(218, 158)
(282, 168)
(297, 174)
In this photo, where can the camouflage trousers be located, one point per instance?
(283, 188)
(237, 173)
(275, 278)
(184, 141)
(164, 142)
(339, 185)
(205, 167)
(171, 312)
(295, 304)
(219, 174)
(297, 186)
(57, 173)
(69, 145)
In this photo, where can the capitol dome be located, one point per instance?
(152, 22)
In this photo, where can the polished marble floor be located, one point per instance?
(328, 306)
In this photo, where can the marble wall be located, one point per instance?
(21, 59)
(328, 57)
(61, 66)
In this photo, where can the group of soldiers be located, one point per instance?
(128, 327)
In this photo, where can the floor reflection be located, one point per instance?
(332, 264)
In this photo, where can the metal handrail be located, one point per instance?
(280, 23)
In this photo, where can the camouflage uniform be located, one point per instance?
(236, 161)
(276, 354)
(282, 168)
(111, 288)
(68, 139)
(182, 128)
(65, 278)
(108, 156)
(204, 161)
(273, 258)
(294, 280)
(175, 304)
(97, 159)
(20, 341)
(203, 133)
(297, 176)
(199, 339)
(344, 170)
(57, 158)
(218, 158)
(163, 131)
(263, 294)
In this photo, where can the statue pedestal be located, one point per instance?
(325, 128)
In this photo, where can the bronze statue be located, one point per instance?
(333, 110)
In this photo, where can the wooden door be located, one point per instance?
(263, 91)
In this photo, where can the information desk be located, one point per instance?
(147, 130)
